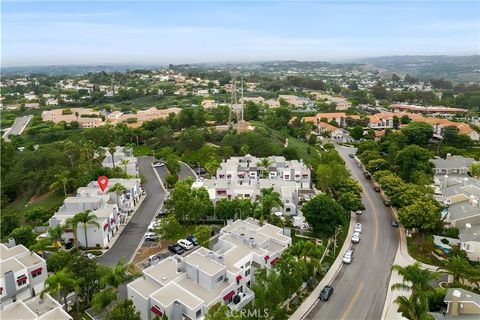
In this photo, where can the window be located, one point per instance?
(247, 272)
(247, 264)
(219, 279)
(199, 313)
(467, 247)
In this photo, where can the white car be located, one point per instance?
(158, 164)
(185, 244)
(356, 237)
(151, 236)
(358, 228)
(348, 257)
(90, 256)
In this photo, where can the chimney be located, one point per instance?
(445, 181)
(449, 156)
(251, 242)
(455, 302)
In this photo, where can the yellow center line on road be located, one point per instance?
(354, 299)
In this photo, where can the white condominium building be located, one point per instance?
(185, 287)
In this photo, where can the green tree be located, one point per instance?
(123, 310)
(23, 235)
(475, 170)
(111, 149)
(203, 234)
(350, 201)
(413, 307)
(220, 311)
(212, 166)
(125, 163)
(169, 228)
(460, 270)
(415, 278)
(102, 299)
(58, 260)
(61, 283)
(37, 215)
(422, 215)
(55, 234)
(357, 132)
(118, 188)
(418, 133)
(413, 159)
(86, 218)
(328, 174)
(324, 215)
(269, 199)
(264, 163)
(61, 180)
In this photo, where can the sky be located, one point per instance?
(162, 32)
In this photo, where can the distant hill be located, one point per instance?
(455, 68)
(75, 69)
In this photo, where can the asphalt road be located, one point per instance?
(360, 288)
(18, 126)
(185, 172)
(126, 245)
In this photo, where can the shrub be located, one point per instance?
(444, 241)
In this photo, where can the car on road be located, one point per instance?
(326, 293)
(386, 203)
(394, 223)
(348, 257)
(185, 244)
(175, 248)
(356, 237)
(158, 164)
(192, 239)
(151, 236)
(351, 155)
(367, 175)
(359, 212)
(376, 188)
(89, 255)
(358, 228)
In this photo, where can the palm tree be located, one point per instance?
(118, 189)
(73, 224)
(119, 274)
(265, 164)
(415, 278)
(459, 268)
(61, 180)
(112, 148)
(86, 218)
(270, 199)
(125, 163)
(212, 166)
(56, 235)
(61, 283)
(413, 307)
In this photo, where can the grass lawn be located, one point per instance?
(50, 201)
(141, 150)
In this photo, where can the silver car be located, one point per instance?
(356, 237)
(358, 228)
(348, 257)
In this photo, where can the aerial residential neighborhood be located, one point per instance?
(227, 160)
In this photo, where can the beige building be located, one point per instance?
(59, 115)
(462, 303)
(150, 114)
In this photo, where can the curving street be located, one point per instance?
(360, 288)
(128, 242)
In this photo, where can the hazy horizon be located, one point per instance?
(41, 33)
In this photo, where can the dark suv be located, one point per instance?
(327, 291)
(175, 248)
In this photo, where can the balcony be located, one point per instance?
(245, 298)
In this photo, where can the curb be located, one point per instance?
(312, 299)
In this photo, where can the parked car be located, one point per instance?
(162, 212)
(175, 248)
(367, 175)
(394, 223)
(358, 228)
(359, 212)
(185, 244)
(351, 155)
(156, 258)
(326, 292)
(356, 237)
(151, 236)
(348, 257)
(376, 188)
(158, 164)
(89, 255)
(192, 239)
(386, 203)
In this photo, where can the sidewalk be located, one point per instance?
(312, 299)
(404, 259)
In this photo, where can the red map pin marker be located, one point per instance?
(102, 182)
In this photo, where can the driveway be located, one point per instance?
(360, 288)
(131, 237)
(186, 171)
(18, 126)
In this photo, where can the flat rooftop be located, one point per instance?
(17, 311)
(6, 253)
(11, 265)
(29, 260)
(41, 306)
(164, 272)
(207, 265)
(144, 287)
(208, 296)
(173, 292)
